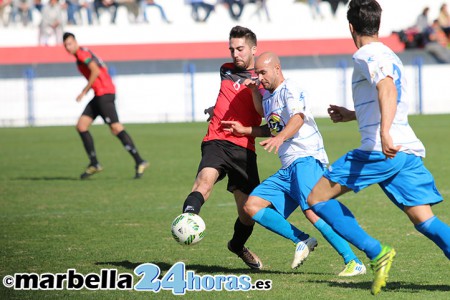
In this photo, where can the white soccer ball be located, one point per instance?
(188, 229)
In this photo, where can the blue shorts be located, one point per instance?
(404, 178)
(289, 188)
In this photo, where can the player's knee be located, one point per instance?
(81, 128)
(253, 205)
(311, 199)
(116, 128)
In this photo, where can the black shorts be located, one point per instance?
(103, 106)
(236, 161)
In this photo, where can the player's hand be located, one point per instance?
(252, 84)
(210, 112)
(272, 143)
(388, 147)
(80, 97)
(340, 114)
(236, 128)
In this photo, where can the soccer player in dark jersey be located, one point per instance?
(96, 72)
(226, 154)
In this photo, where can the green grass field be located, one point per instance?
(51, 221)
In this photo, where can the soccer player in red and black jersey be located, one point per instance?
(226, 154)
(96, 72)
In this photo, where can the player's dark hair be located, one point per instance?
(365, 16)
(243, 32)
(68, 35)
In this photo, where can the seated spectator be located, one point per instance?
(23, 9)
(133, 9)
(74, 11)
(444, 19)
(146, 3)
(51, 25)
(5, 10)
(109, 5)
(422, 24)
(196, 5)
(260, 5)
(235, 8)
(436, 43)
(314, 6)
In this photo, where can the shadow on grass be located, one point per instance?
(395, 286)
(207, 269)
(44, 178)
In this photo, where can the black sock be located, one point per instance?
(127, 142)
(241, 234)
(193, 203)
(88, 143)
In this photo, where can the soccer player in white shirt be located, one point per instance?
(298, 142)
(390, 154)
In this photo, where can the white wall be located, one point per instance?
(166, 97)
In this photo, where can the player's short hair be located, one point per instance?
(243, 32)
(365, 16)
(67, 35)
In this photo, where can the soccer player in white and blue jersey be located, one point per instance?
(298, 142)
(390, 154)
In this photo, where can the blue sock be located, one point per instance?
(335, 240)
(272, 220)
(438, 232)
(344, 223)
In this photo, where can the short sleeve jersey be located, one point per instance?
(286, 101)
(234, 103)
(103, 84)
(372, 63)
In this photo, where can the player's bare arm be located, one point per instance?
(293, 126)
(95, 72)
(341, 114)
(256, 94)
(387, 97)
(238, 129)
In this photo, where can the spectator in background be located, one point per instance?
(436, 42)
(196, 5)
(260, 5)
(235, 8)
(146, 3)
(74, 8)
(422, 23)
(444, 19)
(335, 4)
(23, 9)
(5, 8)
(133, 9)
(110, 5)
(38, 5)
(51, 25)
(314, 6)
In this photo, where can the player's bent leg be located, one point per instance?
(203, 185)
(243, 228)
(84, 122)
(429, 225)
(88, 142)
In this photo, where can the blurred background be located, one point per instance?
(165, 55)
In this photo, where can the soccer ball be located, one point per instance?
(188, 229)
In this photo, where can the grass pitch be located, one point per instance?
(50, 221)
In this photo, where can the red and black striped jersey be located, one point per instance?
(103, 84)
(234, 103)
